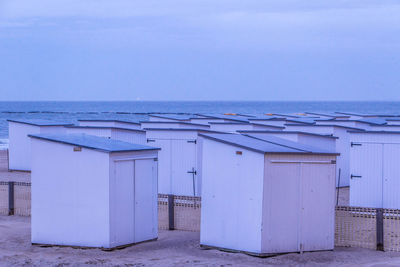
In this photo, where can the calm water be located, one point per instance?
(136, 110)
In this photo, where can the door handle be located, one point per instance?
(192, 172)
(355, 176)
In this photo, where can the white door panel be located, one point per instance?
(164, 165)
(317, 206)
(283, 204)
(145, 171)
(183, 161)
(391, 176)
(124, 203)
(366, 168)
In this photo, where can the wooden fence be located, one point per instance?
(354, 226)
(15, 198)
(179, 212)
(367, 228)
(182, 213)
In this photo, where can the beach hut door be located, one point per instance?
(184, 167)
(123, 206)
(145, 201)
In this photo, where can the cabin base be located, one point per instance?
(254, 254)
(87, 247)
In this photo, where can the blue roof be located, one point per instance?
(40, 122)
(375, 132)
(291, 144)
(116, 120)
(284, 132)
(267, 145)
(93, 142)
(302, 120)
(329, 114)
(104, 127)
(377, 121)
(175, 122)
(323, 125)
(178, 117)
(227, 117)
(368, 115)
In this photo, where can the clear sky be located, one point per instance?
(199, 50)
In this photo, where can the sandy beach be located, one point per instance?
(173, 248)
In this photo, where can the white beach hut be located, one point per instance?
(19, 142)
(342, 146)
(385, 128)
(240, 126)
(361, 123)
(375, 169)
(393, 121)
(264, 198)
(179, 160)
(324, 141)
(329, 115)
(127, 135)
(274, 121)
(174, 117)
(90, 191)
(172, 124)
(110, 123)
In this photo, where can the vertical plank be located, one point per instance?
(379, 229)
(10, 198)
(171, 223)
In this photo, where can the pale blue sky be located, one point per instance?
(199, 50)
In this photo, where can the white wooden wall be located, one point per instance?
(299, 202)
(178, 156)
(129, 136)
(231, 197)
(102, 132)
(20, 143)
(168, 125)
(373, 163)
(230, 127)
(70, 192)
(133, 198)
(342, 147)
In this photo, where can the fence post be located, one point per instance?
(10, 198)
(379, 229)
(171, 223)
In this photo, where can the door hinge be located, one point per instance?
(192, 141)
(355, 176)
(150, 140)
(355, 144)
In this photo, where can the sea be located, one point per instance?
(139, 110)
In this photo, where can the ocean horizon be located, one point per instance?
(71, 111)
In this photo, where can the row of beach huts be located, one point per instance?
(267, 182)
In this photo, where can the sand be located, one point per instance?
(16, 176)
(174, 248)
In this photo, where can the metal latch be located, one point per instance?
(192, 141)
(192, 172)
(355, 144)
(355, 176)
